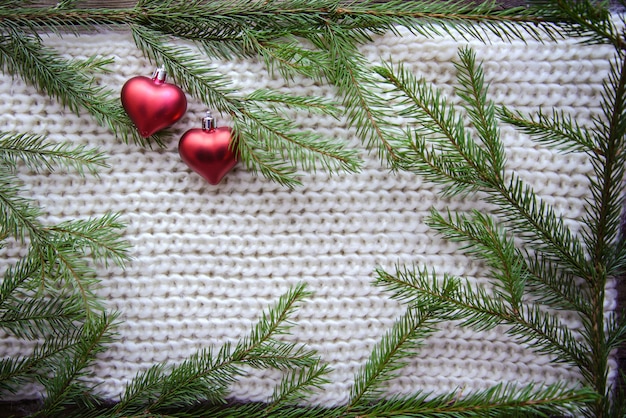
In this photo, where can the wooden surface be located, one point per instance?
(130, 3)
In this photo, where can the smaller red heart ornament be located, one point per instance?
(152, 104)
(208, 151)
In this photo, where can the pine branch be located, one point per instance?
(390, 354)
(45, 69)
(100, 237)
(267, 140)
(206, 377)
(475, 308)
(64, 388)
(557, 129)
(37, 154)
(500, 400)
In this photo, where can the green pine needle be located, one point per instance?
(38, 154)
(398, 344)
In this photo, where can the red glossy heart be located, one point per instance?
(152, 104)
(208, 152)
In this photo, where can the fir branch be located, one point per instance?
(553, 287)
(261, 349)
(453, 159)
(15, 372)
(604, 218)
(557, 129)
(201, 377)
(301, 17)
(206, 377)
(365, 109)
(18, 276)
(539, 224)
(280, 135)
(265, 136)
(12, 374)
(38, 154)
(187, 69)
(65, 4)
(18, 215)
(286, 57)
(276, 101)
(589, 20)
(515, 272)
(461, 165)
(72, 272)
(29, 317)
(64, 388)
(483, 239)
(500, 400)
(480, 110)
(475, 308)
(100, 237)
(439, 144)
(296, 385)
(390, 354)
(45, 69)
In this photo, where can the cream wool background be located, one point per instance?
(206, 260)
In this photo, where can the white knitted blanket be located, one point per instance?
(208, 259)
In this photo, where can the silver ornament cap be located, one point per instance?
(159, 74)
(208, 122)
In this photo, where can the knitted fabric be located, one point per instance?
(207, 260)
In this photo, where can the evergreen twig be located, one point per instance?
(537, 266)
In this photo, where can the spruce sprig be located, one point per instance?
(398, 344)
(47, 295)
(39, 154)
(498, 401)
(530, 279)
(268, 141)
(25, 56)
(273, 30)
(206, 375)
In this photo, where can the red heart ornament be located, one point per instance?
(208, 151)
(152, 104)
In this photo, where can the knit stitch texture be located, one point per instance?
(208, 259)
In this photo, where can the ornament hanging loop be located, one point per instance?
(159, 75)
(208, 122)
